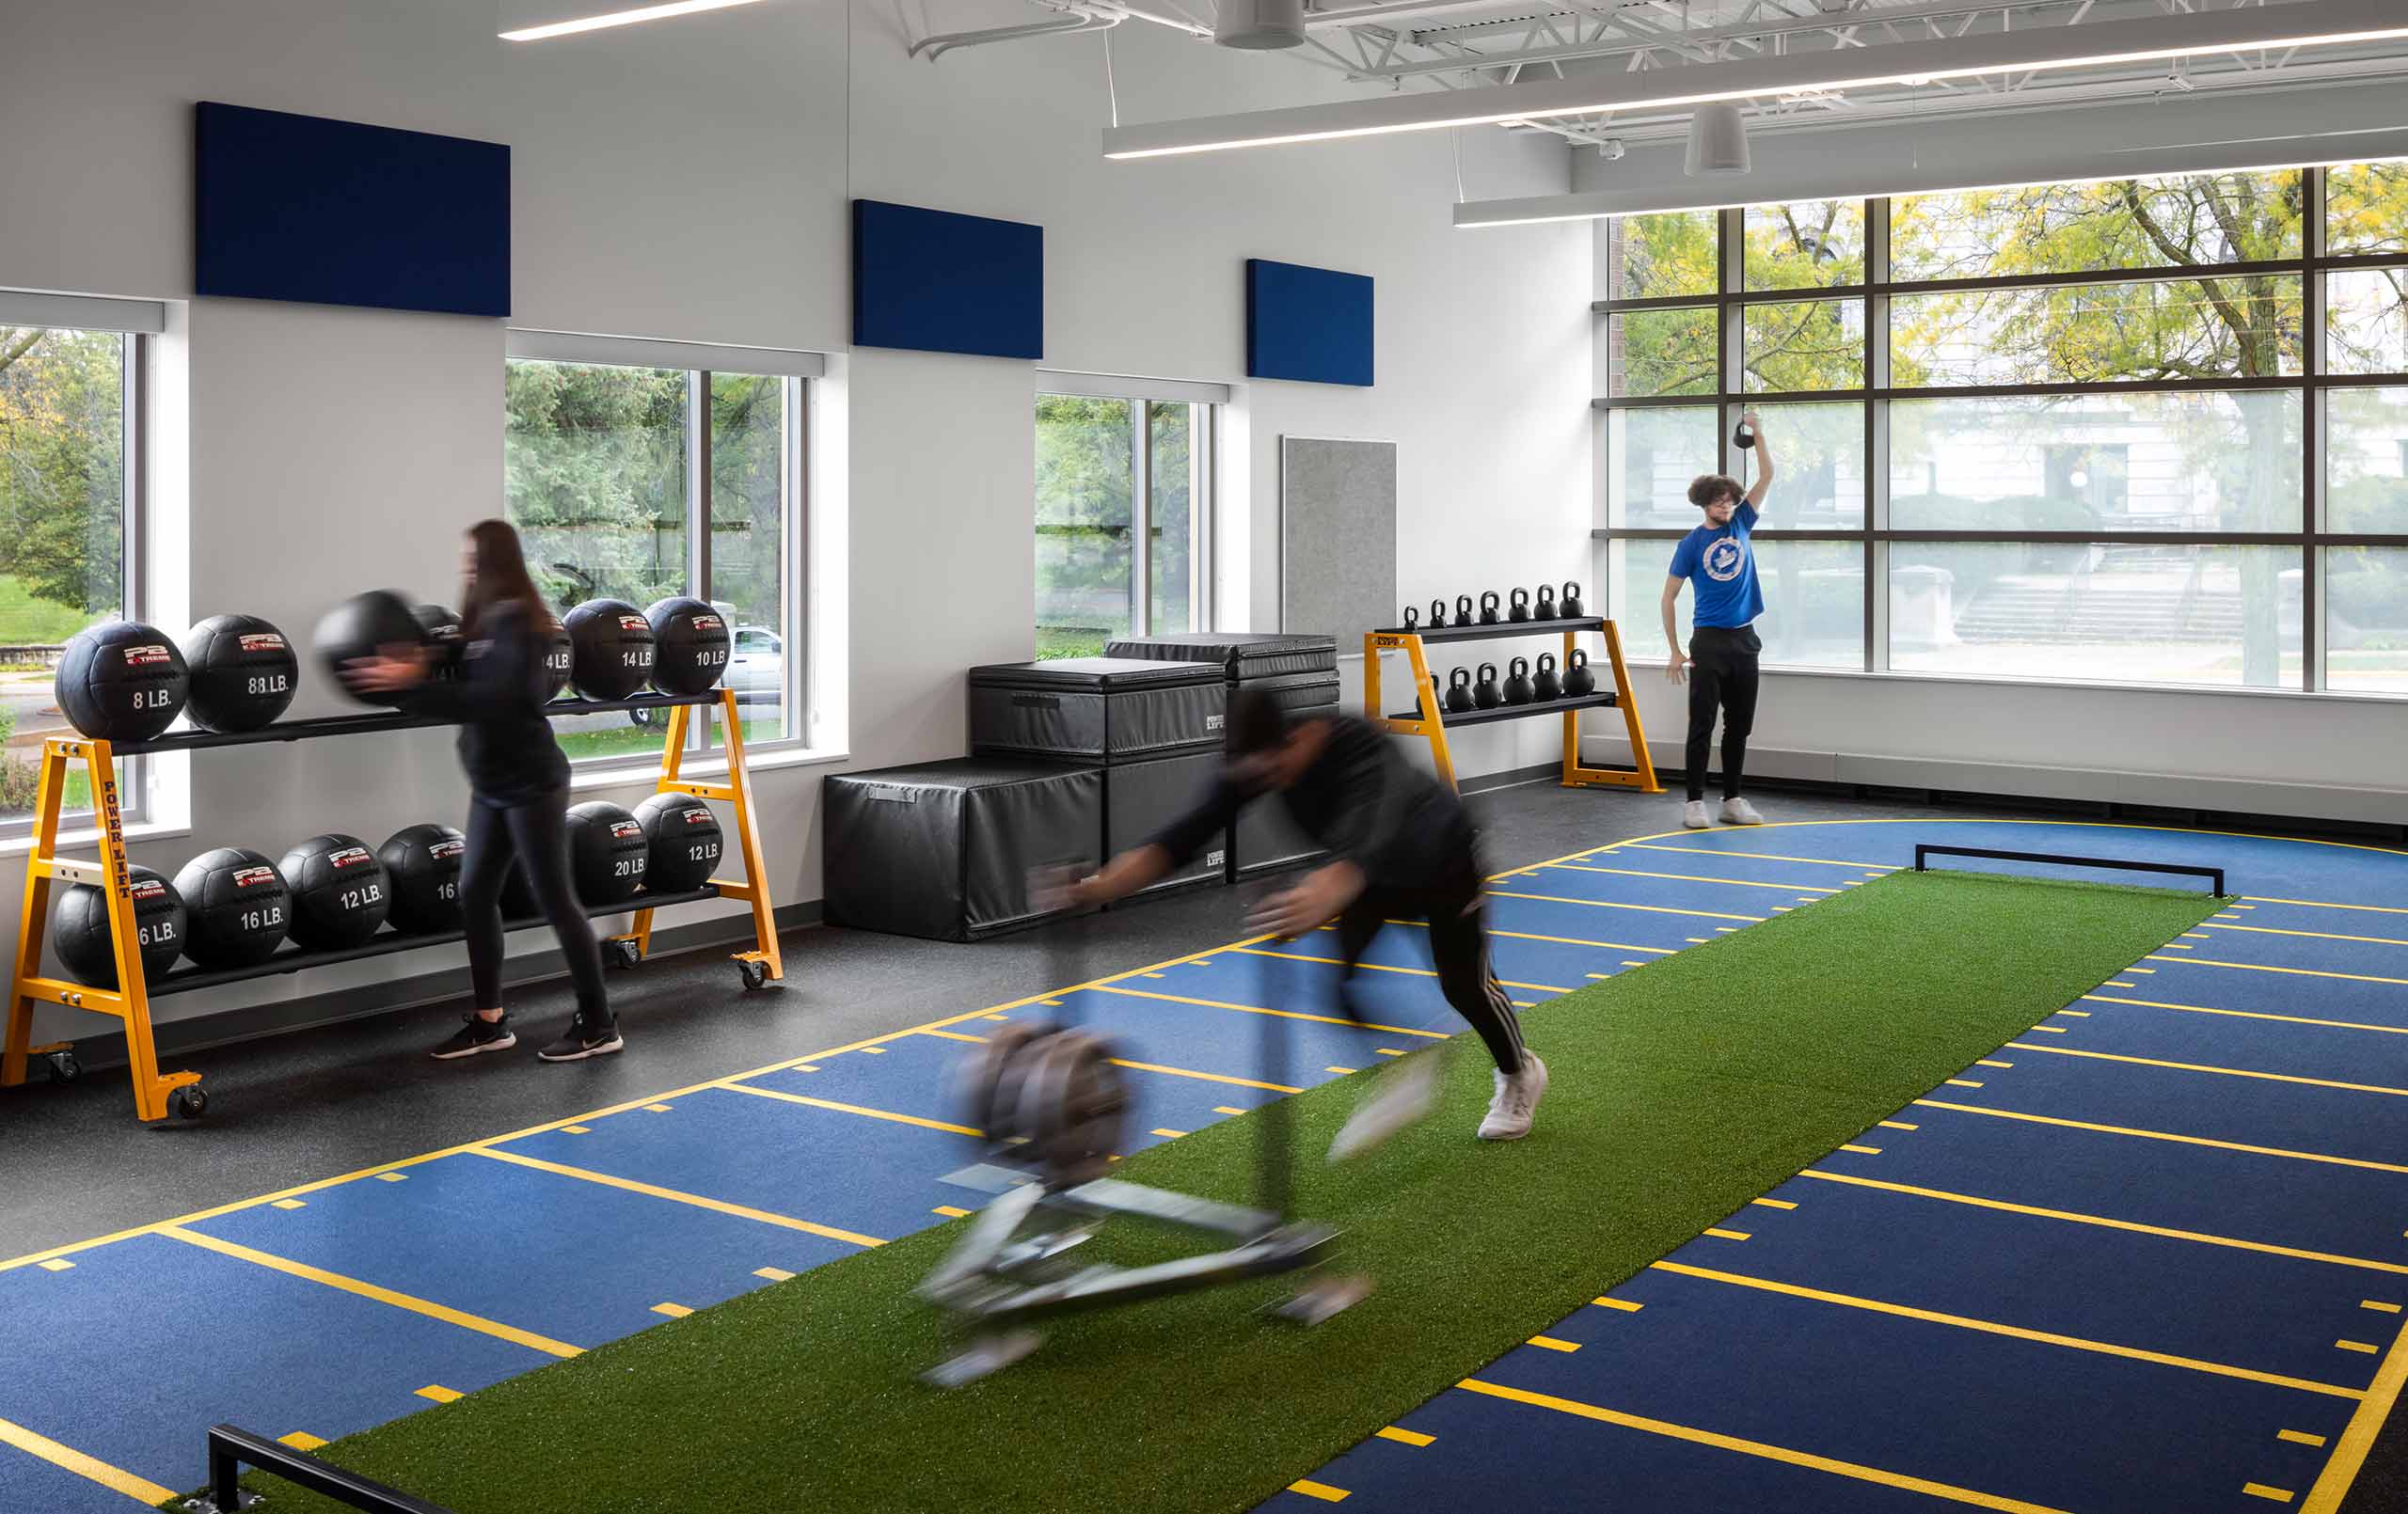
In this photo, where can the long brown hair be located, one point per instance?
(498, 576)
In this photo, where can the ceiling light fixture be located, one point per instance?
(1718, 141)
(2094, 44)
(618, 17)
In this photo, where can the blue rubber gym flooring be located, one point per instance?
(2150, 1256)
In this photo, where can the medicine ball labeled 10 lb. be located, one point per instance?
(79, 930)
(236, 908)
(608, 854)
(244, 673)
(690, 645)
(121, 681)
(614, 649)
(422, 873)
(685, 842)
(362, 627)
(339, 896)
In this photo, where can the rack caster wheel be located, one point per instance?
(753, 973)
(64, 1069)
(626, 953)
(188, 1102)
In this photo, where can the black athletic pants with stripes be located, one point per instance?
(533, 834)
(1459, 949)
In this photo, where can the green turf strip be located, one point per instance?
(1680, 1091)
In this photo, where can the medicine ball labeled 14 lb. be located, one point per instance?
(244, 673)
(79, 931)
(121, 681)
(339, 891)
(685, 842)
(362, 627)
(614, 648)
(422, 873)
(441, 629)
(690, 645)
(606, 852)
(236, 908)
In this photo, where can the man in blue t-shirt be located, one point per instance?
(1721, 662)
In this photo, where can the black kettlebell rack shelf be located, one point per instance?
(1432, 719)
(157, 1095)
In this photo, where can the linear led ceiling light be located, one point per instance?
(618, 17)
(2096, 44)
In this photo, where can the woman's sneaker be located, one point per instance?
(476, 1033)
(580, 1041)
(1516, 1102)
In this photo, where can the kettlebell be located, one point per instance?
(1571, 608)
(1412, 618)
(1459, 699)
(1544, 610)
(1485, 695)
(1548, 686)
(1741, 437)
(1578, 679)
(1521, 610)
(1488, 608)
(1463, 609)
(1518, 687)
(1437, 614)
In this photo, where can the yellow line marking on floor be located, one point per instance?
(1626, 964)
(1227, 1109)
(699, 1201)
(58, 1264)
(800, 1066)
(2365, 1162)
(2299, 1438)
(1774, 1204)
(2263, 966)
(1991, 1062)
(92, 1469)
(956, 1035)
(2104, 1221)
(291, 1204)
(2362, 1348)
(950, 1212)
(1899, 1124)
(370, 1291)
(301, 1440)
(2244, 906)
(1208, 1077)
(2333, 1483)
(1388, 1052)
(1050, 1003)
(1700, 941)
(863, 1110)
(440, 1393)
(1726, 930)
(998, 1016)
(879, 1050)
(1168, 1134)
(1782, 909)
(2222, 1072)
(1610, 904)
(2257, 899)
(1403, 1437)
(1340, 1072)
(1991, 1327)
(1283, 1013)
(565, 1129)
(1381, 966)
(2193, 936)
(2379, 1306)
(2177, 946)
(2251, 1015)
(1317, 1489)
(674, 1311)
(1626, 1306)
(1560, 941)
(1756, 1448)
(1962, 1082)
(392, 1177)
(1692, 877)
(2075, 1014)
(1761, 856)
(2312, 935)
(658, 1108)
(2258, 1489)
(2052, 1030)
(2113, 984)
(774, 1274)
(1523, 1004)
(1720, 1234)
(1551, 1343)
(1861, 1151)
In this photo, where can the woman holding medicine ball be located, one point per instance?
(518, 779)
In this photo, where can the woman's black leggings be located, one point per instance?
(533, 834)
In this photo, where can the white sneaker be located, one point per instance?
(1517, 1101)
(1693, 816)
(1400, 1096)
(1740, 812)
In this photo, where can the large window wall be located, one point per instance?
(2143, 431)
(1124, 510)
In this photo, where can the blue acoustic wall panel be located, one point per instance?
(334, 213)
(1312, 325)
(938, 282)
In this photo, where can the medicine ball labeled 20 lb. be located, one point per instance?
(422, 873)
(339, 896)
(690, 645)
(121, 681)
(361, 627)
(613, 648)
(236, 908)
(79, 931)
(243, 670)
(606, 852)
(685, 842)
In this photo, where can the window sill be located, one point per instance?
(85, 841)
(711, 767)
(2325, 696)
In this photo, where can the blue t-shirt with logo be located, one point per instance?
(1721, 565)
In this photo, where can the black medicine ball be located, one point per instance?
(690, 645)
(339, 896)
(79, 931)
(606, 852)
(684, 838)
(236, 908)
(442, 631)
(244, 673)
(560, 659)
(121, 681)
(422, 873)
(613, 648)
(360, 626)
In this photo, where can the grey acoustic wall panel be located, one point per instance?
(1336, 537)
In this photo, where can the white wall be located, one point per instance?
(691, 180)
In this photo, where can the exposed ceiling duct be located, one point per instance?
(1259, 26)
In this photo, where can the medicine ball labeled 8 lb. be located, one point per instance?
(606, 852)
(121, 681)
(614, 649)
(441, 629)
(690, 645)
(236, 908)
(685, 842)
(243, 670)
(79, 930)
(339, 894)
(362, 627)
(422, 873)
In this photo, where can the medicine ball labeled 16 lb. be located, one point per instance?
(244, 673)
(422, 873)
(690, 645)
(339, 894)
(362, 627)
(606, 852)
(685, 842)
(121, 681)
(613, 648)
(236, 908)
(79, 931)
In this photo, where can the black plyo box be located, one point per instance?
(1096, 709)
(1140, 799)
(942, 850)
(1264, 840)
(1242, 657)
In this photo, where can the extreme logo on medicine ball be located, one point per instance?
(1723, 560)
(244, 877)
(443, 851)
(349, 857)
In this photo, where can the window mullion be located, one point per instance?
(698, 512)
(2313, 404)
(1141, 512)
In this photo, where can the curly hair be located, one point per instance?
(1708, 487)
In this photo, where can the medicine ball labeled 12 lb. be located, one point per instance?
(242, 672)
(362, 627)
(614, 648)
(236, 908)
(121, 681)
(684, 839)
(339, 891)
(690, 645)
(422, 873)
(79, 931)
(606, 852)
